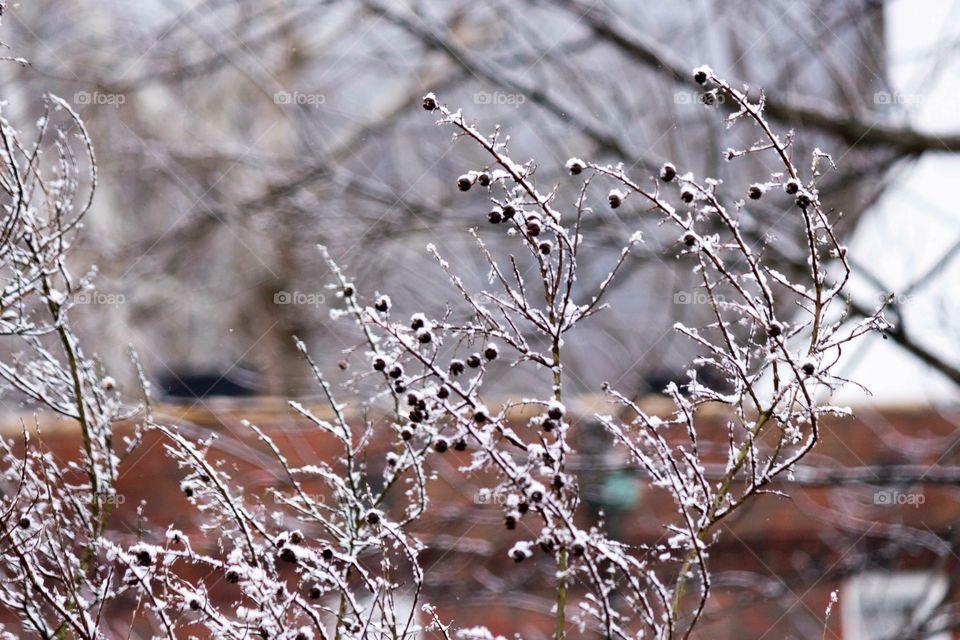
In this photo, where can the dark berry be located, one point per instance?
(518, 555)
(480, 416)
(233, 577)
(555, 412)
(314, 593)
(473, 360)
(495, 217)
(510, 522)
(443, 393)
(536, 496)
(700, 76)
(464, 183)
(382, 305)
(545, 248)
(195, 605)
(508, 211)
(373, 517)
(808, 368)
(575, 167)
(668, 172)
(144, 559)
(429, 102)
(424, 337)
(440, 445)
(296, 537)
(578, 549)
(803, 201)
(347, 291)
(549, 425)
(456, 367)
(490, 353)
(24, 523)
(412, 399)
(416, 322)
(523, 507)
(406, 434)
(396, 372)
(689, 239)
(379, 364)
(484, 179)
(288, 555)
(774, 330)
(687, 196)
(533, 227)
(615, 199)
(327, 554)
(460, 445)
(755, 192)
(791, 187)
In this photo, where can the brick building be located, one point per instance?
(871, 515)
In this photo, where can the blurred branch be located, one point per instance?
(853, 130)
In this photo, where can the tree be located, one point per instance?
(421, 386)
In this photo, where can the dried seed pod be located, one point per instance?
(576, 166)
(615, 198)
(668, 172)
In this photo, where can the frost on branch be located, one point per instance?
(332, 549)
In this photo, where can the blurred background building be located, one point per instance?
(234, 136)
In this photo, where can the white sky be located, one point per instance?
(919, 216)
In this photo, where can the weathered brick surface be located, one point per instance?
(778, 555)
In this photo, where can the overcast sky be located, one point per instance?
(918, 218)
